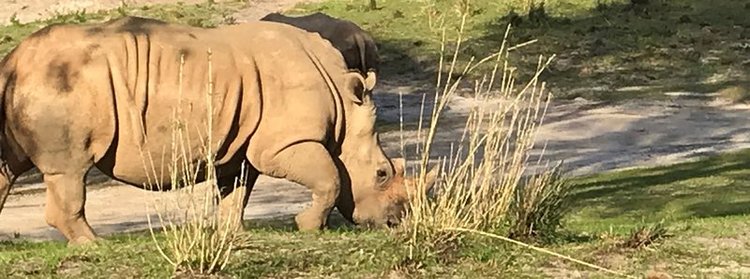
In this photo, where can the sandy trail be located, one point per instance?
(590, 137)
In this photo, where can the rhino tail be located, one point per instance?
(7, 83)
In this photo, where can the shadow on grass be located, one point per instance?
(664, 42)
(714, 187)
(683, 45)
(286, 223)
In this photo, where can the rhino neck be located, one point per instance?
(334, 143)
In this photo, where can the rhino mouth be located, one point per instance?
(392, 222)
(389, 222)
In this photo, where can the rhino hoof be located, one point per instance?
(307, 223)
(82, 241)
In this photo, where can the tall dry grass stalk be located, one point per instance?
(484, 171)
(197, 237)
(485, 188)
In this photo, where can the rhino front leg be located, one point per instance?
(234, 198)
(66, 195)
(310, 164)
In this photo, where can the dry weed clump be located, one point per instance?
(198, 236)
(486, 188)
(735, 94)
(645, 235)
(540, 205)
(483, 174)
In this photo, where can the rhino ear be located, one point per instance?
(398, 165)
(358, 86)
(370, 80)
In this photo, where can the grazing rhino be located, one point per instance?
(357, 47)
(103, 95)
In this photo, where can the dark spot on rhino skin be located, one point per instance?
(162, 128)
(65, 137)
(185, 52)
(138, 25)
(88, 53)
(94, 30)
(62, 75)
(18, 129)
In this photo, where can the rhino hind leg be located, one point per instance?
(8, 176)
(66, 195)
(234, 198)
(62, 156)
(311, 165)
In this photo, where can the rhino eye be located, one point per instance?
(382, 175)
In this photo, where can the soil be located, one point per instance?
(589, 136)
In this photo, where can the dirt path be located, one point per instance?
(589, 136)
(30, 10)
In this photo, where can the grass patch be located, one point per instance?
(208, 14)
(704, 205)
(683, 45)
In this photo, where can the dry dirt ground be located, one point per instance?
(589, 136)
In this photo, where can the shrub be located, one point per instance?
(482, 176)
(540, 205)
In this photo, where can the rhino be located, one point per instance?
(106, 95)
(357, 46)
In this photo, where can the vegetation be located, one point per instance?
(642, 48)
(702, 204)
(484, 174)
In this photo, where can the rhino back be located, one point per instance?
(129, 82)
(356, 46)
(127, 75)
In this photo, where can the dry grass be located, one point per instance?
(199, 237)
(486, 184)
(540, 205)
(735, 94)
(483, 174)
(645, 235)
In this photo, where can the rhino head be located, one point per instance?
(373, 189)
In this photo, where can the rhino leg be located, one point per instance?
(311, 165)
(13, 163)
(66, 195)
(8, 175)
(234, 198)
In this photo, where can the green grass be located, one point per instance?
(676, 45)
(602, 45)
(704, 204)
(203, 15)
